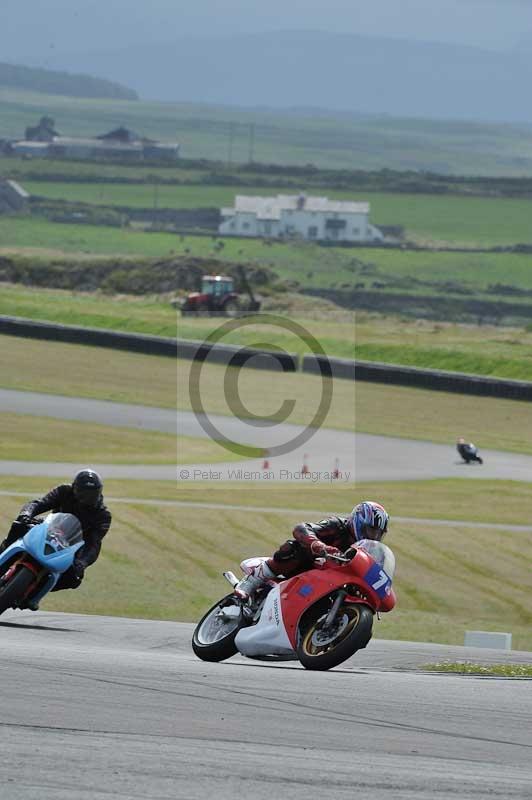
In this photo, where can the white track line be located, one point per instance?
(306, 512)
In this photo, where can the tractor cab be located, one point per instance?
(219, 299)
(217, 285)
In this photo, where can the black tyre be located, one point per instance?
(323, 649)
(13, 593)
(231, 308)
(214, 636)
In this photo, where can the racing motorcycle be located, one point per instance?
(31, 566)
(320, 617)
(469, 453)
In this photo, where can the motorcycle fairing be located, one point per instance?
(46, 550)
(378, 580)
(303, 590)
(59, 560)
(268, 636)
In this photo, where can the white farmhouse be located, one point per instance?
(301, 217)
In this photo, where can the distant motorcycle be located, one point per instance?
(31, 566)
(468, 452)
(320, 617)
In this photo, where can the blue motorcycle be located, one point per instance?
(31, 566)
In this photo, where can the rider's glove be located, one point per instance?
(319, 549)
(79, 569)
(24, 519)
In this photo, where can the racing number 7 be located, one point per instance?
(383, 578)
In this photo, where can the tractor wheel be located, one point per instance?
(231, 308)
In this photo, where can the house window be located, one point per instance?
(267, 228)
(312, 231)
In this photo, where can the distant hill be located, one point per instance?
(62, 83)
(326, 70)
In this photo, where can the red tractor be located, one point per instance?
(218, 298)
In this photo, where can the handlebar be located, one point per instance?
(343, 558)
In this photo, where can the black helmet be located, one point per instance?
(87, 486)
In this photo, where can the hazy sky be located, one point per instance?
(39, 27)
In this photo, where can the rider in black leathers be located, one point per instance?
(468, 451)
(83, 498)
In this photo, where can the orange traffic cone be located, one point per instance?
(266, 462)
(304, 469)
(336, 470)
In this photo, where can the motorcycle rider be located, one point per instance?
(83, 498)
(467, 451)
(331, 536)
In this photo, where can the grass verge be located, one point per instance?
(155, 315)
(495, 670)
(366, 407)
(29, 438)
(477, 349)
(165, 562)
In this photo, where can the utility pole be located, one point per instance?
(251, 142)
(230, 148)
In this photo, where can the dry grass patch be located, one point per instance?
(166, 562)
(490, 422)
(28, 438)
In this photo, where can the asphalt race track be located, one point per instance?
(97, 707)
(361, 457)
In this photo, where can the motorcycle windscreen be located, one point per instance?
(380, 553)
(65, 529)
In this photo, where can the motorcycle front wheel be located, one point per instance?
(214, 636)
(324, 648)
(13, 593)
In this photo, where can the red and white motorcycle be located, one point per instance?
(320, 617)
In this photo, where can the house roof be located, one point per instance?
(106, 144)
(272, 207)
(121, 134)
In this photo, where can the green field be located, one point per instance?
(160, 564)
(307, 264)
(368, 142)
(155, 315)
(477, 349)
(460, 221)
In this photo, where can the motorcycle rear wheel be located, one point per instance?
(321, 649)
(214, 637)
(15, 590)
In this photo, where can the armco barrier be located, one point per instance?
(231, 355)
(340, 367)
(237, 356)
(135, 342)
(442, 381)
(234, 355)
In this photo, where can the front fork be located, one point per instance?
(335, 608)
